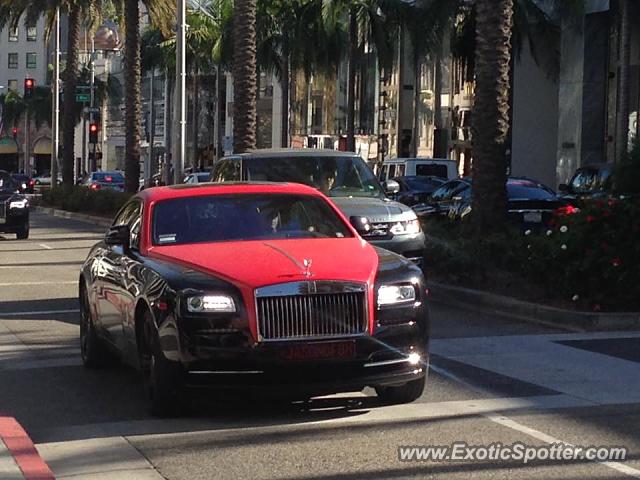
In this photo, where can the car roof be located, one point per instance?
(292, 152)
(226, 188)
(420, 159)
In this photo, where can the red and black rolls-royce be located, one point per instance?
(251, 285)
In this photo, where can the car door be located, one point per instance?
(110, 281)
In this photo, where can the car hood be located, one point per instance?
(253, 264)
(375, 209)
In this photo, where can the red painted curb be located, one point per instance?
(23, 451)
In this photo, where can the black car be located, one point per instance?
(347, 180)
(251, 287)
(589, 182)
(530, 204)
(25, 182)
(438, 204)
(416, 189)
(14, 208)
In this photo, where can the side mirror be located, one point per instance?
(564, 188)
(361, 224)
(391, 187)
(118, 235)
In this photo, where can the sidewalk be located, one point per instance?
(19, 459)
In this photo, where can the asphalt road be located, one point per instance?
(493, 380)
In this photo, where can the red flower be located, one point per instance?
(591, 218)
(616, 262)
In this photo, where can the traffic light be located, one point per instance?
(93, 133)
(29, 83)
(15, 133)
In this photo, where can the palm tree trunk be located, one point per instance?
(622, 130)
(415, 137)
(491, 112)
(351, 80)
(285, 84)
(244, 76)
(132, 96)
(68, 107)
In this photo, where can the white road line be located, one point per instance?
(38, 312)
(532, 432)
(45, 246)
(27, 284)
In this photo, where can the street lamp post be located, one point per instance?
(179, 147)
(55, 145)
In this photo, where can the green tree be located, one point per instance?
(244, 75)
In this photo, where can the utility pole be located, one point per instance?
(92, 70)
(152, 129)
(179, 148)
(55, 148)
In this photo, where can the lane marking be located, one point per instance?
(45, 246)
(41, 265)
(532, 432)
(23, 451)
(27, 284)
(38, 312)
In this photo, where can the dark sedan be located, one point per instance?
(252, 286)
(105, 181)
(589, 182)
(530, 204)
(14, 208)
(24, 182)
(416, 189)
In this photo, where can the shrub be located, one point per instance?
(626, 177)
(85, 200)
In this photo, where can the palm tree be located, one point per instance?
(161, 14)
(491, 111)
(77, 11)
(244, 75)
(622, 130)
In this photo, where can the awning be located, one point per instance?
(42, 147)
(8, 145)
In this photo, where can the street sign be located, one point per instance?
(92, 109)
(83, 97)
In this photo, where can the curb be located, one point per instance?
(23, 451)
(81, 217)
(533, 312)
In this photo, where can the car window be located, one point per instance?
(400, 170)
(126, 213)
(227, 171)
(524, 189)
(108, 177)
(422, 183)
(335, 176)
(221, 218)
(447, 191)
(135, 225)
(435, 170)
(202, 177)
(6, 182)
(604, 179)
(584, 180)
(392, 171)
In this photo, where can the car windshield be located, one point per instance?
(6, 182)
(108, 177)
(435, 169)
(223, 218)
(334, 176)
(522, 189)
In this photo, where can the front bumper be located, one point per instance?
(409, 246)
(14, 220)
(393, 355)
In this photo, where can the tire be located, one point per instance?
(23, 233)
(163, 379)
(92, 349)
(406, 393)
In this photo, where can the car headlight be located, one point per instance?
(19, 203)
(211, 303)
(408, 227)
(396, 294)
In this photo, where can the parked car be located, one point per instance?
(197, 177)
(14, 208)
(530, 204)
(415, 190)
(105, 181)
(45, 178)
(590, 181)
(441, 200)
(25, 182)
(347, 180)
(252, 285)
(444, 168)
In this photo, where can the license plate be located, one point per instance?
(533, 217)
(319, 351)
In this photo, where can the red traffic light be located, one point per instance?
(14, 131)
(28, 82)
(93, 128)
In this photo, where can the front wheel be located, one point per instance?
(406, 393)
(163, 379)
(93, 351)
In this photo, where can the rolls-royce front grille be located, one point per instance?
(312, 315)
